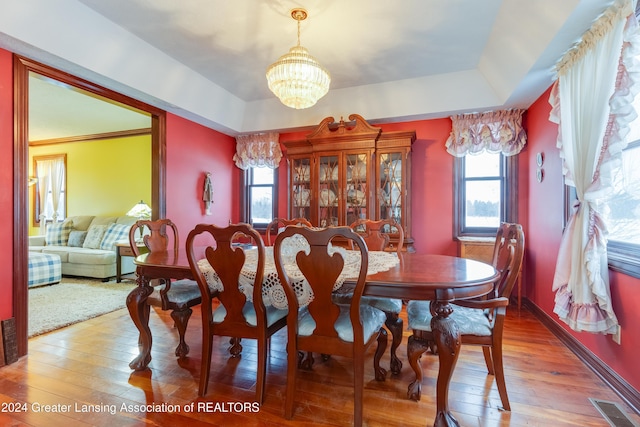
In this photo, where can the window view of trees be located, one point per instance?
(482, 184)
(261, 195)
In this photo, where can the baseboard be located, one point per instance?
(9, 340)
(630, 395)
(2, 362)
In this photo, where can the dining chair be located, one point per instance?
(175, 295)
(323, 326)
(279, 223)
(376, 235)
(241, 313)
(480, 321)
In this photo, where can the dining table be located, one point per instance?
(175, 265)
(440, 279)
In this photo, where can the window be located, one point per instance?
(483, 185)
(622, 211)
(260, 198)
(50, 198)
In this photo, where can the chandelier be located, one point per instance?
(297, 78)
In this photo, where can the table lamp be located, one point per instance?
(141, 211)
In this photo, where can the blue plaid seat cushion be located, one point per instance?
(44, 269)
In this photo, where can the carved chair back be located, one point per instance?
(157, 240)
(279, 223)
(376, 233)
(508, 254)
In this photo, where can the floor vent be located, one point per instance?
(612, 412)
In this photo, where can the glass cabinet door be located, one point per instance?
(357, 187)
(328, 190)
(301, 188)
(391, 186)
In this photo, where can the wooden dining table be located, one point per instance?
(441, 279)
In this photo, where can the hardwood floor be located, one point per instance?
(85, 368)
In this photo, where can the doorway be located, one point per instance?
(23, 67)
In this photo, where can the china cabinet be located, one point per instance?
(349, 170)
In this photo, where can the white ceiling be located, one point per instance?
(59, 111)
(389, 60)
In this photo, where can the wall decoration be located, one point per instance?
(207, 195)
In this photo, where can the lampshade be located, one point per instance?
(141, 211)
(297, 78)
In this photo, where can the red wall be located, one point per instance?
(543, 240)
(6, 184)
(193, 150)
(431, 185)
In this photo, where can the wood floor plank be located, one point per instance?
(87, 364)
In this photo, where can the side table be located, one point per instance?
(124, 249)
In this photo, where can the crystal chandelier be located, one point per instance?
(297, 78)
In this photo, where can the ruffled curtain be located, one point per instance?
(494, 132)
(258, 150)
(591, 102)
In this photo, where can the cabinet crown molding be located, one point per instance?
(356, 128)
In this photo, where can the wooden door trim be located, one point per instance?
(21, 68)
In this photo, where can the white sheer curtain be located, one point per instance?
(51, 176)
(494, 132)
(258, 150)
(591, 102)
(43, 168)
(57, 180)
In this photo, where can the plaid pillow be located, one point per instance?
(114, 234)
(58, 234)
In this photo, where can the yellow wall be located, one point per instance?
(104, 177)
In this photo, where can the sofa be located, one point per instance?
(86, 245)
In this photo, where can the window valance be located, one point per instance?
(494, 132)
(258, 150)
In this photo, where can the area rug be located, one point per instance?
(74, 300)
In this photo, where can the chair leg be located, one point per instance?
(205, 367)
(496, 351)
(292, 369)
(306, 361)
(380, 372)
(181, 319)
(358, 379)
(262, 368)
(415, 348)
(486, 351)
(395, 325)
(236, 348)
